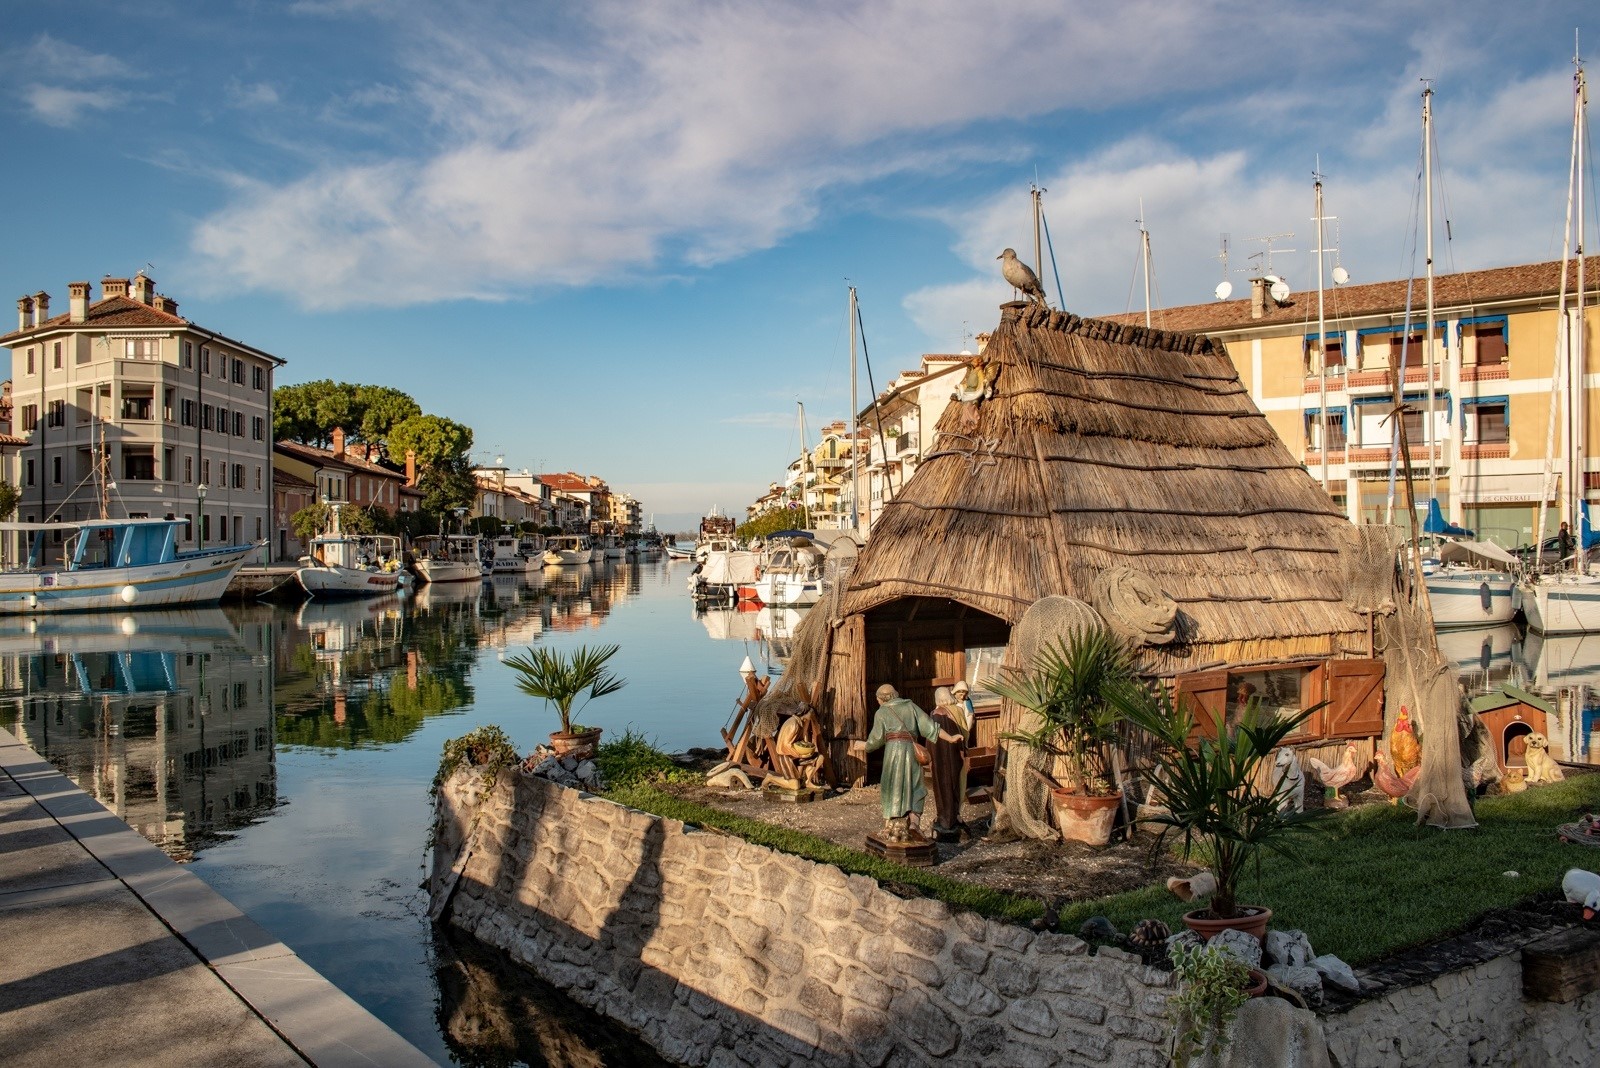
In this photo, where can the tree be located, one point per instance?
(9, 496)
(447, 484)
(379, 409)
(312, 520)
(309, 412)
(434, 438)
(772, 522)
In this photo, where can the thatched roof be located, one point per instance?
(1106, 445)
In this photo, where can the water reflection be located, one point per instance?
(1566, 668)
(164, 717)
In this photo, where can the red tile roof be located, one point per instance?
(280, 477)
(325, 457)
(1464, 290)
(112, 312)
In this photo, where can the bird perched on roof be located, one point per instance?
(1020, 275)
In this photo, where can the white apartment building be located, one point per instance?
(125, 403)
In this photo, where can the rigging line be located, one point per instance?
(1055, 268)
(877, 413)
(1444, 209)
(1133, 279)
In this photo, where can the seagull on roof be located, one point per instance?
(1020, 275)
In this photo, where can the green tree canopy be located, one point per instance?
(381, 409)
(309, 412)
(435, 439)
(447, 484)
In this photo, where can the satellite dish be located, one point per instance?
(1224, 290)
(1340, 276)
(1280, 291)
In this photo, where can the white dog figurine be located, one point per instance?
(1542, 767)
(1583, 888)
(1291, 780)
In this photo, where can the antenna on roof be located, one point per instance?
(1224, 288)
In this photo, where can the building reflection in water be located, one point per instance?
(164, 717)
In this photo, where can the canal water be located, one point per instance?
(285, 754)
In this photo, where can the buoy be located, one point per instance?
(129, 594)
(747, 668)
(33, 600)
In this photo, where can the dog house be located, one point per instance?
(1511, 714)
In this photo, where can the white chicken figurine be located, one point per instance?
(1336, 778)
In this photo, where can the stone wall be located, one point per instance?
(1473, 1016)
(722, 952)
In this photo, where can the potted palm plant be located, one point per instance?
(560, 679)
(1212, 793)
(1068, 688)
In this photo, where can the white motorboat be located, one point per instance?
(569, 549)
(1470, 584)
(611, 546)
(723, 567)
(791, 577)
(115, 563)
(1560, 603)
(507, 558)
(351, 565)
(449, 558)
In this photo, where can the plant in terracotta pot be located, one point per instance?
(1068, 688)
(1213, 985)
(1212, 793)
(561, 679)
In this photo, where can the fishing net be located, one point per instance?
(807, 653)
(1367, 560)
(1134, 606)
(1419, 678)
(1024, 807)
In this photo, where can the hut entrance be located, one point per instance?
(920, 643)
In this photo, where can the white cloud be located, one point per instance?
(243, 94)
(647, 137)
(63, 61)
(54, 105)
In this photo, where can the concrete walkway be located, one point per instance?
(111, 954)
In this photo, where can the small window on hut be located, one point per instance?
(1283, 693)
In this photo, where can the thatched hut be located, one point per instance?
(1129, 469)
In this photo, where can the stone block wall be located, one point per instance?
(721, 952)
(1473, 1016)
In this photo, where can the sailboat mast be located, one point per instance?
(1561, 408)
(855, 429)
(1038, 246)
(1430, 426)
(1322, 352)
(1144, 257)
(1580, 349)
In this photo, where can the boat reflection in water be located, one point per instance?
(770, 629)
(165, 717)
(1481, 655)
(1566, 669)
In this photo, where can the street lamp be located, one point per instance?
(200, 491)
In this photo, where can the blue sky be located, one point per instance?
(615, 237)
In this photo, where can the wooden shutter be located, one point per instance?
(1355, 699)
(1313, 687)
(1204, 694)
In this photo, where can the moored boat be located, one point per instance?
(1470, 584)
(116, 563)
(351, 565)
(449, 558)
(506, 557)
(568, 549)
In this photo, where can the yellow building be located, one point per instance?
(1489, 439)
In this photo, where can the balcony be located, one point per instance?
(1378, 379)
(1486, 451)
(1485, 372)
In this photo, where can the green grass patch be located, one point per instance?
(1372, 882)
(1369, 883)
(980, 899)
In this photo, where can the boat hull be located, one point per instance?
(1471, 599)
(331, 582)
(437, 571)
(787, 591)
(192, 578)
(1561, 605)
(568, 556)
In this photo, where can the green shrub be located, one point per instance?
(633, 760)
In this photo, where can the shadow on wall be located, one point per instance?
(494, 1013)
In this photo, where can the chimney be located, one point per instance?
(144, 287)
(165, 304)
(41, 307)
(113, 287)
(338, 442)
(77, 301)
(1258, 297)
(24, 313)
(411, 467)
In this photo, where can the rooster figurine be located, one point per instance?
(1336, 778)
(1403, 746)
(1391, 782)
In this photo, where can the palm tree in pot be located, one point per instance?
(1068, 688)
(561, 679)
(1211, 793)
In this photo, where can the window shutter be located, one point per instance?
(1204, 694)
(1355, 699)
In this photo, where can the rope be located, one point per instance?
(1135, 606)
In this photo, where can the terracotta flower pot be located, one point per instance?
(1084, 817)
(1258, 983)
(578, 744)
(1252, 920)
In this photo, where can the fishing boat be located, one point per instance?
(115, 563)
(506, 557)
(351, 565)
(449, 558)
(610, 546)
(569, 549)
(723, 566)
(1470, 583)
(791, 576)
(1568, 602)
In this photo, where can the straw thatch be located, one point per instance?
(1110, 446)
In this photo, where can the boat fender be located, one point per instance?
(129, 594)
(1485, 598)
